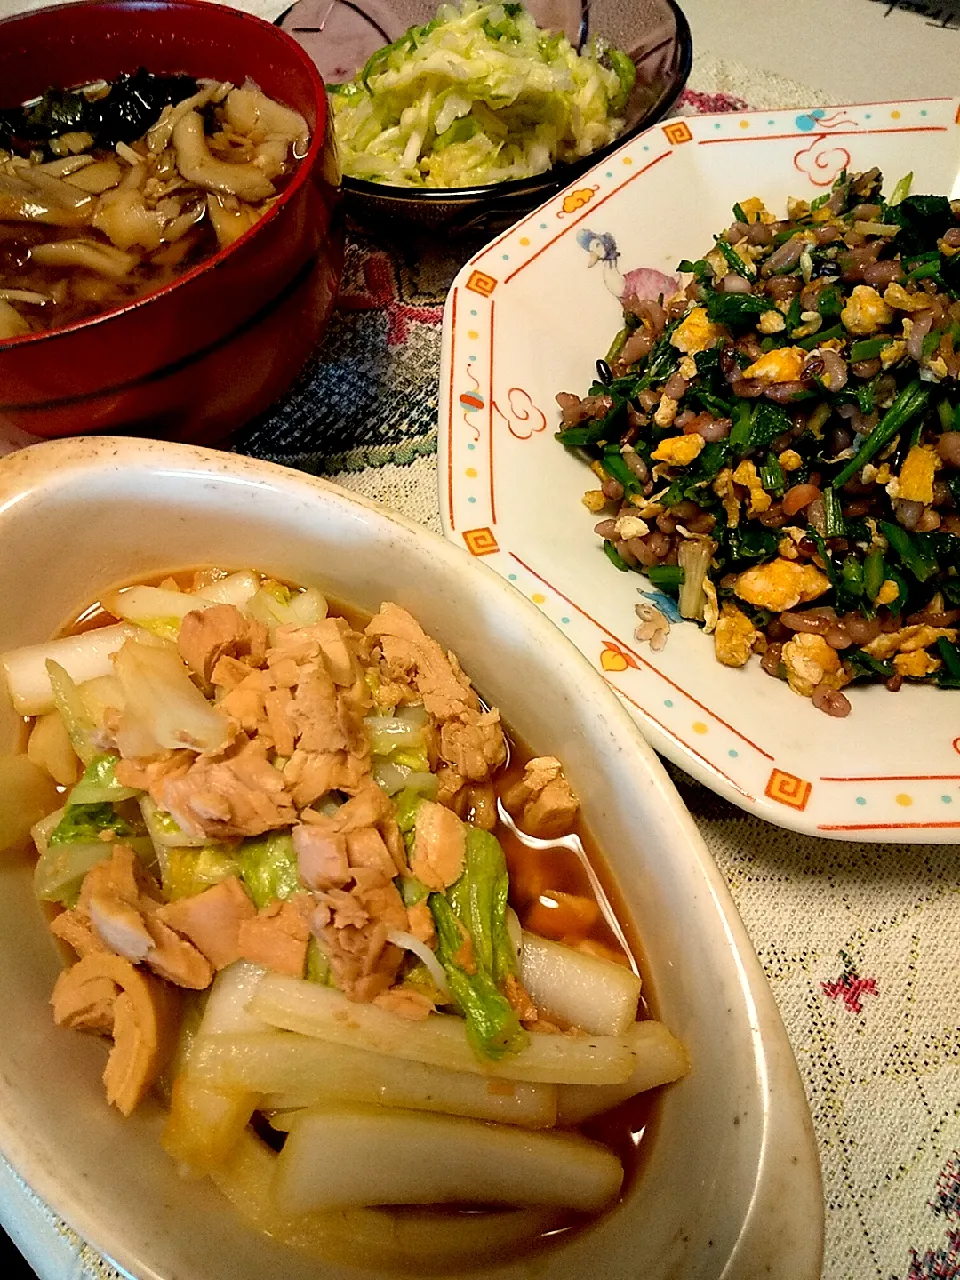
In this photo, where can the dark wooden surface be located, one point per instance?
(13, 1265)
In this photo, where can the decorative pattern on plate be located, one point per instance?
(524, 419)
(788, 789)
(576, 199)
(655, 201)
(677, 131)
(481, 542)
(482, 284)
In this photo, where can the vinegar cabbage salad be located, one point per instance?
(324, 909)
(478, 95)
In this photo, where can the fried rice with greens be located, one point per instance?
(778, 445)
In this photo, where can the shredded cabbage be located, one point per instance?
(478, 95)
(268, 867)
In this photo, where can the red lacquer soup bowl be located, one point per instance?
(205, 353)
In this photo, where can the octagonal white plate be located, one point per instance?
(529, 316)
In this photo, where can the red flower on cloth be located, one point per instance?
(850, 987)
(381, 291)
(700, 104)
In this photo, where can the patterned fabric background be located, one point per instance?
(858, 942)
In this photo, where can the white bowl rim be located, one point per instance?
(787, 1190)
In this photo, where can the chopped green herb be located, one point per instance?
(874, 574)
(911, 401)
(833, 525)
(614, 556)
(869, 349)
(668, 577)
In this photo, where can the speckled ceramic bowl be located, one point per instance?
(730, 1186)
(341, 35)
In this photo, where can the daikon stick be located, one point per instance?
(204, 1124)
(660, 1059)
(419, 1243)
(27, 794)
(296, 1005)
(226, 1012)
(206, 1119)
(151, 604)
(238, 589)
(83, 657)
(99, 694)
(279, 1062)
(50, 748)
(337, 1158)
(585, 991)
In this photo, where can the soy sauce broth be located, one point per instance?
(94, 209)
(572, 865)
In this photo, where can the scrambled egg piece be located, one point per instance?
(865, 311)
(783, 365)
(647, 508)
(781, 584)
(810, 661)
(892, 352)
(789, 537)
(888, 592)
(723, 488)
(679, 451)
(687, 368)
(895, 295)
(717, 263)
(771, 322)
(813, 324)
(594, 500)
(907, 640)
(755, 210)
(760, 500)
(631, 526)
(790, 460)
(695, 332)
(916, 474)
(917, 664)
(734, 636)
(666, 412)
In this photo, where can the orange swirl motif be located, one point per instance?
(821, 164)
(524, 419)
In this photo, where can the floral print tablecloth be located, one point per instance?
(858, 941)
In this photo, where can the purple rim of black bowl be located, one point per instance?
(526, 193)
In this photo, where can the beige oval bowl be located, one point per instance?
(731, 1185)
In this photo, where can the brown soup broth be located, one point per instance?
(79, 294)
(626, 1129)
(60, 295)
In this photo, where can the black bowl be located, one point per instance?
(341, 34)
